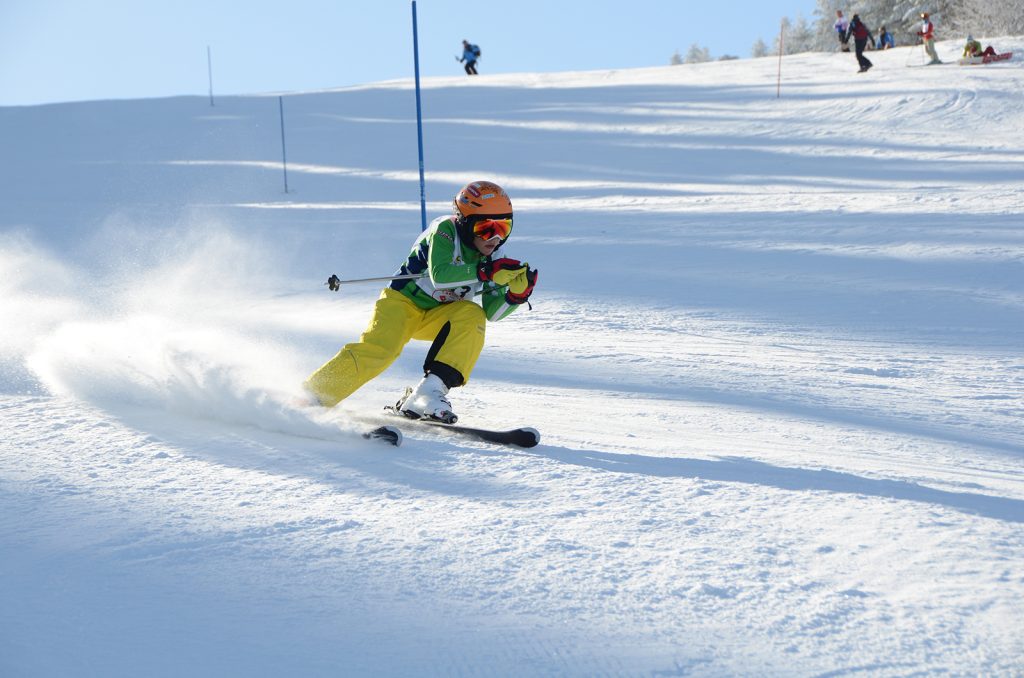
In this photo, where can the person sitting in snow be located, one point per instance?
(459, 256)
(973, 49)
(885, 40)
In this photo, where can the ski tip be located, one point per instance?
(388, 434)
(530, 431)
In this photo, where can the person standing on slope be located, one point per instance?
(470, 53)
(841, 27)
(861, 35)
(927, 34)
(460, 256)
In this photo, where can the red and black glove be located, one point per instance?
(499, 271)
(521, 287)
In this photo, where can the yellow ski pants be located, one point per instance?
(396, 320)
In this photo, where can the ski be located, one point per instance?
(998, 57)
(929, 64)
(519, 437)
(985, 59)
(387, 434)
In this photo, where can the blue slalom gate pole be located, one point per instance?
(419, 119)
(209, 71)
(284, 153)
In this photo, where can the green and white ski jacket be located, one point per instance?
(451, 265)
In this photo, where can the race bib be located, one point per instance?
(452, 294)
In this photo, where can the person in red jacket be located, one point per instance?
(927, 34)
(861, 35)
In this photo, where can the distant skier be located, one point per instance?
(841, 27)
(861, 35)
(461, 257)
(927, 34)
(885, 39)
(470, 54)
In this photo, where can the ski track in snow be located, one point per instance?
(775, 357)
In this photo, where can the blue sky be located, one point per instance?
(67, 50)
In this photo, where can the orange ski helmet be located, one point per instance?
(480, 201)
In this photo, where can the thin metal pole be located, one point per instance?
(782, 36)
(209, 71)
(407, 276)
(419, 119)
(284, 154)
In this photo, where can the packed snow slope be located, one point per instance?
(776, 355)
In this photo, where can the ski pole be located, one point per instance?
(913, 53)
(334, 283)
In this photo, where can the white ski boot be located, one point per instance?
(429, 400)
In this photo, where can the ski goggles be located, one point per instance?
(488, 228)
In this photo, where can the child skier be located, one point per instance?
(460, 256)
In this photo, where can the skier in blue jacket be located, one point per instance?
(885, 39)
(470, 53)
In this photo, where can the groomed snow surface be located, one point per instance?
(776, 355)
